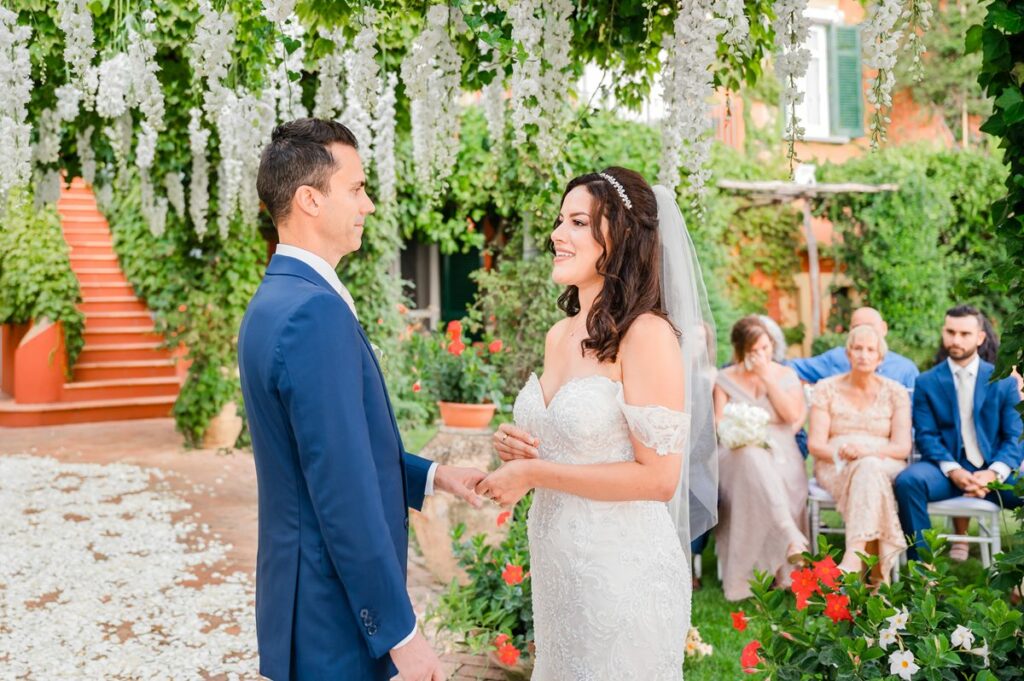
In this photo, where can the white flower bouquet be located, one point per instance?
(743, 425)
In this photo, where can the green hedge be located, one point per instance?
(36, 280)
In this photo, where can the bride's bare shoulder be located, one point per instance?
(649, 331)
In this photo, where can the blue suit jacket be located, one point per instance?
(334, 484)
(834, 362)
(996, 422)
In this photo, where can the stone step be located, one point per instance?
(101, 275)
(132, 318)
(109, 352)
(121, 334)
(112, 304)
(85, 248)
(13, 415)
(120, 389)
(106, 371)
(105, 288)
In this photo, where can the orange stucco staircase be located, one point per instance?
(122, 372)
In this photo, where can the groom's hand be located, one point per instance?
(461, 482)
(416, 661)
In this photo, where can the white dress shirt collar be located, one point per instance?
(971, 368)
(321, 267)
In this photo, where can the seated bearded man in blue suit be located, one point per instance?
(966, 428)
(334, 481)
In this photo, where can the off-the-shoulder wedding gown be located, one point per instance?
(611, 585)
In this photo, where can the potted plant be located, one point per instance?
(463, 378)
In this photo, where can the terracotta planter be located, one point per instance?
(224, 429)
(461, 415)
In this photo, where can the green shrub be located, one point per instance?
(36, 281)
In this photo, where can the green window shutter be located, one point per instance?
(846, 89)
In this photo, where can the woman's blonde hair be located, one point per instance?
(867, 330)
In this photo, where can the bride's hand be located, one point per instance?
(508, 484)
(514, 443)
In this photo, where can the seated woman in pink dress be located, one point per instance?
(860, 439)
(762, 498)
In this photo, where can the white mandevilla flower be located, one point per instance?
(199, 187)
(962, 637)
(791, 28)
(384, 142)
(75, 20)
(743, 425)
(886, 637)
(981, 652)
(881, 36)
(16, 84)
(901, 663)
(432, 72)
(688, 86)
(898, 622)
(278, 10)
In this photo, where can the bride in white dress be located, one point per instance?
(609, 434)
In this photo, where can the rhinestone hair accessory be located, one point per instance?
(619, 188)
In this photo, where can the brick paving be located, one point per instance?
(221, 487)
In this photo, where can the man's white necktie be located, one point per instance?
(347, 297)
(965, 401)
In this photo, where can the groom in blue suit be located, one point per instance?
(966, 428)
(334, 480)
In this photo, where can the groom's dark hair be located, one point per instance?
(297, 155)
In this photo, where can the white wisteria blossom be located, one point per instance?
(918, 19)
(69, 100)
(384, 142)
(328, 100)
(278, 10)
(364, 81)
(115, 84)
(792, 29)
(174, 187)
(47, 187)
(538, 82)
(86, 154)
(16, 84)
(881, 35)
(148, 20)
(432, 72)
(492, 97)
(154, 208)
(211, 45)
(147, 94)
(75, 20)
(737, 26)
(145, 146)
(119, 134)
(244, 122)
(962, 637)
(199, 187)
(689, 85)
(109, 573)
(901, 663)
(47, 147)
(288, 93)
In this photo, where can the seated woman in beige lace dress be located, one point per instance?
(762, 499)
(860, 439)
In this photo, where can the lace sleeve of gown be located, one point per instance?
(662, 429)
(821, 395)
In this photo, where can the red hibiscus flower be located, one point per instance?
(456, 347)
(503, 517)
(805, 583)
(454, 329)
(837, 607)
(416, 387)
(512, 574)
(828, 572)
(749, 657)
(739, 621)
(495, 346)
(508, 654)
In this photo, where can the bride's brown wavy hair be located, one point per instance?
(630, 261)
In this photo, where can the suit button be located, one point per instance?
(407, 522)
(371, 630)
(364, 614)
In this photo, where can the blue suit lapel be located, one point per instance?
(948, 386)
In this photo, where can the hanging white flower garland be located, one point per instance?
(199, 189)
(288, 92)
(432, 72)
(16, 84)
(384, 142)
(278, 10)
(792, 28)
(328, 100)
(689, 86)
(881, 36)
(86, 155)
(75, 20)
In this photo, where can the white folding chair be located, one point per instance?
(987, 514)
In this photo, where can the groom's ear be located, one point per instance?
(307, 200)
